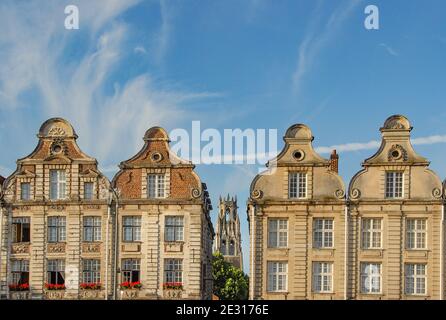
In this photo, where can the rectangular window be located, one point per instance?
(370, 278)
(131, 270)
(371, 233)
(322, 277)
(277, 276)
(91, 271)
(19, 272)
(297, 185)
(56, 272)
(416, 233)
(56, 229)
(131, 228)
(415, 279)
(174, 228)
(173, 270)
(92, 229)
(21, 229)
(58, 184)
(394, 185)
(155, 186)
(323, 233)
(88, 190)
(277, 233)
(25, 191)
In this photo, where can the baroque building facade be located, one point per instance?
(384, 239)
(68, 233)
(300, 192)
(166, 237)
(56, 221)
(228, 238)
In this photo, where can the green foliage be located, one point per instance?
(230, 283)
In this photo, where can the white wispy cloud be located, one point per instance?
(358, 146)
(317, 37)
(389, 49)
(38, 56)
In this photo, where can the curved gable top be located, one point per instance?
(57, 127)
(396, 153)
(396, 146)
(57, 142)
(298, 154)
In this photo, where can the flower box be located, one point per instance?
(131, 285)
(91, 286)
(173, 285)
(50, 286)
(19, 287)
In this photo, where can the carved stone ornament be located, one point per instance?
(58, 147)
(56, 132)
(355, 194)
(395, 124)
(130, 294)
(397, 152)
(172, 294)
(20, 248)
(196, 193)
(54, 294)
(257, 194)
(103, 189)
(91, 294)
(56, 248)
(9, 192)
(436, 193)
(340, 194)
(19, 295)
(91, 247)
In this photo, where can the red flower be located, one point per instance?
(91, 286)
(51, 286)
(173, 285)
(131, 285)
(19, 287)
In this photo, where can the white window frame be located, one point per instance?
(369, 235)
(368, 277)
(394, 181)
(25, 191)
(416, 233)
(57, 229)
(277, 276)
(90, 195)
(297, 185)
(58, 184)
(91, 271)
(173, 270)
(415, 280)
(92, 228)
(174, 228)
(156, 186)
(133, 225)
(323, 233)
(277, 233)
(322, 277)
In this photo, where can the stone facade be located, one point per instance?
(281, 226)
(228, 238)
(29, 207)
(381, 240)
(175, 244)
(62, 224)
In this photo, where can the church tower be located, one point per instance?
(228, 238)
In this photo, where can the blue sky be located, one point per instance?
(230, 64)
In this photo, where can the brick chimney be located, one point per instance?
(334, 162)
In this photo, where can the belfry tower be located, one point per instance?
(228, 238)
